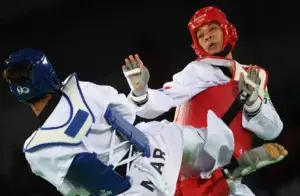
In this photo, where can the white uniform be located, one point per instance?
(50, 159)
(195, 78)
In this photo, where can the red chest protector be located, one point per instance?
(194, 112)
(218, 99)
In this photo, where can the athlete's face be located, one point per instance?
(210, 38)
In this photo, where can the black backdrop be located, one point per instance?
(92, 38)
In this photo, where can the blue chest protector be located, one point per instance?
(86, 170)
(98, 178)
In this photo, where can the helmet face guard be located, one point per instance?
(41, 77)
(207, 15)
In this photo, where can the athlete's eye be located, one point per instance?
(200, 35)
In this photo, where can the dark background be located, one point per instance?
(92, 38)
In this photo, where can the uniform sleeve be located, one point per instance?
(107, 95)
(193, 79)
(53, 163)
(266, 122)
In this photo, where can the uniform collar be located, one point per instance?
(49, 108)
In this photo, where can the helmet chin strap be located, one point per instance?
(224, 52)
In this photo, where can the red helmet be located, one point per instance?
(205, 16)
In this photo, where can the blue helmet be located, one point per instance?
(41, 79)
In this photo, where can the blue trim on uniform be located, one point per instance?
(39, 147)
(83, 99)
(71, 106)
(25, 147)
(77, 122)
(94, 176)
(73, 124)
(70, 117)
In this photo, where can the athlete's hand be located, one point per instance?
(137, 75)
(246, 84)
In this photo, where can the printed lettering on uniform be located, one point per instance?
(148, 185)
(158, 164)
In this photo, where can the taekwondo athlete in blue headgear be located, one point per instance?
(41, 77)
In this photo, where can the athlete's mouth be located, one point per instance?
(212, 45)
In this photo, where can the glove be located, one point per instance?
(137, 76)
(251, 85)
